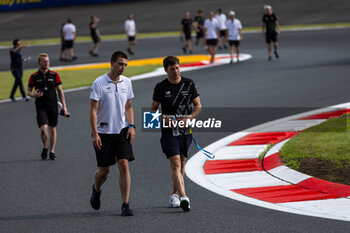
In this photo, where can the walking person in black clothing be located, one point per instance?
(180, 102)
(17, 69)
(199, 26)
(186, 28)
(46, 82)
(95, 35)
(270, 28)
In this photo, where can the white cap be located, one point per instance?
(231, 13)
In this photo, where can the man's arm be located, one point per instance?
(63, 100)
(277, 27)
(96, 140)
(129, 112)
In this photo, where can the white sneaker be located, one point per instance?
(174, 200)
(185, 203)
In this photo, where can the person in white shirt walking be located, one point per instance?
(69, 34)
(234, 34)
(211, 32)
(221, 17)
(113, 129)
(130, 30)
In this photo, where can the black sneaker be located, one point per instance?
(269, 58)
(12, 99)
(184, 49)
(126, 211)
(276, 54)
(95, 199)
(52, 156)
(219, 47)
(44, 154)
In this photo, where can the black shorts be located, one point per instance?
(47, 115)
(222, 32)
(63, 46)
(213, 42)
(271, 37)
(114, 147)
(188, 35)
(233, 42)
(131, 38)
(199, 34)
(69, 44)
(175, 145)
(95, 39)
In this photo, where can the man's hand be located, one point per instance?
(96, 142)
(131, 134)
(38, 94)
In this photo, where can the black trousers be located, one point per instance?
(17, 73)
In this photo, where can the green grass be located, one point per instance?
(70, 79)
(328, 141)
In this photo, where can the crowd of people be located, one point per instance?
(218, 31)
(111, 112)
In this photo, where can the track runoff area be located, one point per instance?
(233, 168)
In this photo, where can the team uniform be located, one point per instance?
(270, 23)
(211, 27)
(46, 106)
(93, 33)
(200, 21)
(130, 27)
(69, 29)
(112, 125)
(176, 100)
(187, 27)
(233, 28)
(222, 23)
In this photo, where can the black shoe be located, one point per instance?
(231, 62)
(219, 47)
(276, 54)
(94, 55)
(126, 211)
(269, 58)
(25, 99)
(90, 52)
(129, 51)
(74, 58)
(12, 99)
(95, 199)
(44, 154)
(184, 49)
(191, 52)
(225, 47)
(52, 156)
(62, 59)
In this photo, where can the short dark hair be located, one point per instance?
(15, 42)
(200, 11)
(118, 54)
(69, 21)
(170, 60)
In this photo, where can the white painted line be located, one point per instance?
(240, 180)
(239, 152)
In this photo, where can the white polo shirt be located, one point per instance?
(112, 98)
(130, 27)
(233, 29)
(222, 21)
(211, 26)
(68, 31)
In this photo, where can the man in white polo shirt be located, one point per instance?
(211, 32)
(221, 17)
(69, 34)
(113, 130)
(234, 34)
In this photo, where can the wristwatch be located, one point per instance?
(132, 126)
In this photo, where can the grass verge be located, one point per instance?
(70, 78)
(322, 151)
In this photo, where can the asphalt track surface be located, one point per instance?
(47, 196)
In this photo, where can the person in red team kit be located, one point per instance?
(46, 82)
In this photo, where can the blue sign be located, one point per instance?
(151, 120)
(10, 5)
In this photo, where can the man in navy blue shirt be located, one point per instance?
(17, 69)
